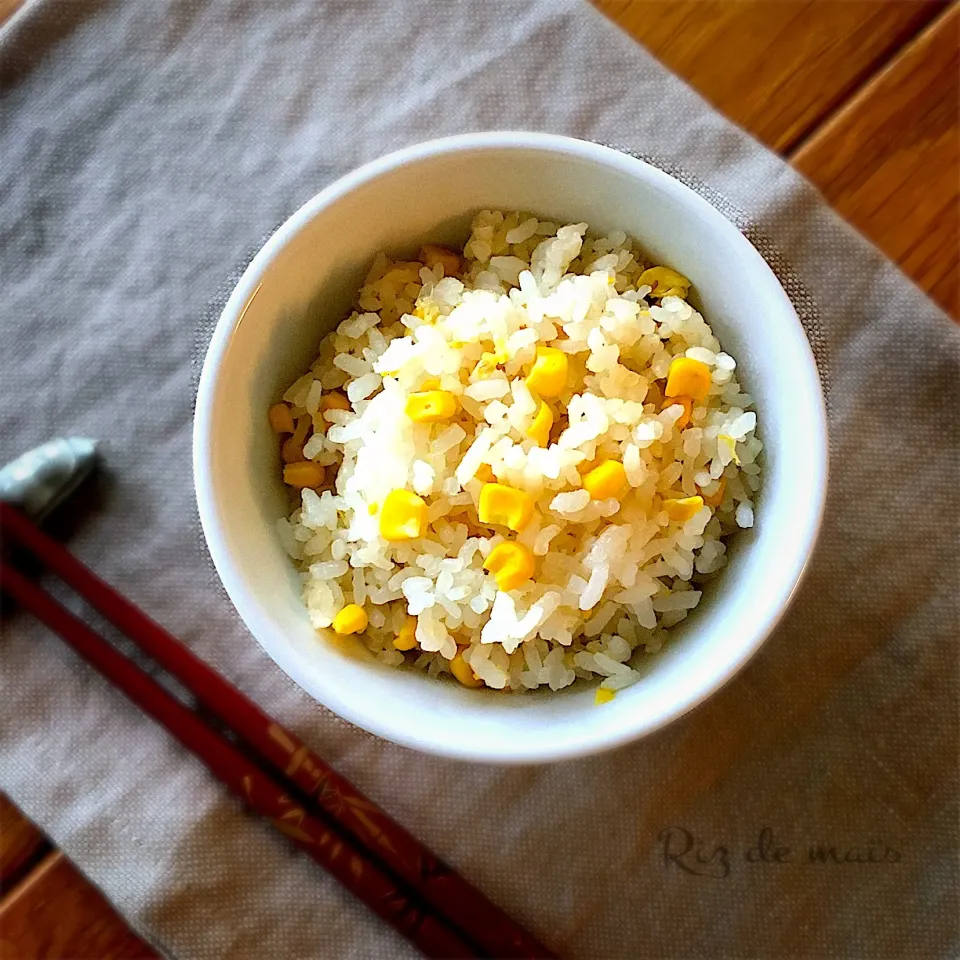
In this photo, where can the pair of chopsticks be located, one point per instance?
(375, 858)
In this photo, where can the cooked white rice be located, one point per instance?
(612, 576)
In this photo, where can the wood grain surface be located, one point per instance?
(55, 914)
(8, 8)
(860, 95)
(21, 844)
(889, 160)
(776, 67)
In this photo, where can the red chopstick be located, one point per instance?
(353, 814)
(328, 847)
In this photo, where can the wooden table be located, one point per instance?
(861, 96)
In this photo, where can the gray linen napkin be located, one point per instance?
(145, 146)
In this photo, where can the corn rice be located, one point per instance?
(461, 525)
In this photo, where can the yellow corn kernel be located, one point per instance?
(461, 670)
(431, 254)
(281, 418)
(333, 401)
(539, 430)
(351, 619)
(485, 366)
(548, 376)
(403, 516)
(665, 282)
(484, 473)
(490, 361)
(401, 273)
(505, 505)
(303, 474)
(682, 510)
(603, 695)
(406, 639)
(428, 312)
(431, 406)
(511, 563)
(372, 509)
(607, 480)
(684, 419)
(715, 499)
(688, 378)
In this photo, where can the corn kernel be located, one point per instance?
(485, 366)
(688, 378)
(684, 419)
(603, 695)
(548, 376)
(665, 282)
(715, 499)
(351, 619)
(684, 509)
(505, 505)
(511, 563)
(403, 516)
(539, 430)
(406, 639)
(431, 254)
(401, 273)
(490, 361)
(303, 474)
(333, 401)
(372, 509)
(607, 480)
(428, 312)
(461, 670)
(431, 406)
(281, 418)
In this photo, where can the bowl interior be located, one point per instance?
(299, 287)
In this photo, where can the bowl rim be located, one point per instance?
(233, 311)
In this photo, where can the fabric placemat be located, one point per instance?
(145, 147)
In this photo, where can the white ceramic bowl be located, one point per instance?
(298, 287)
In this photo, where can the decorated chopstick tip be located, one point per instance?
(41, 479)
